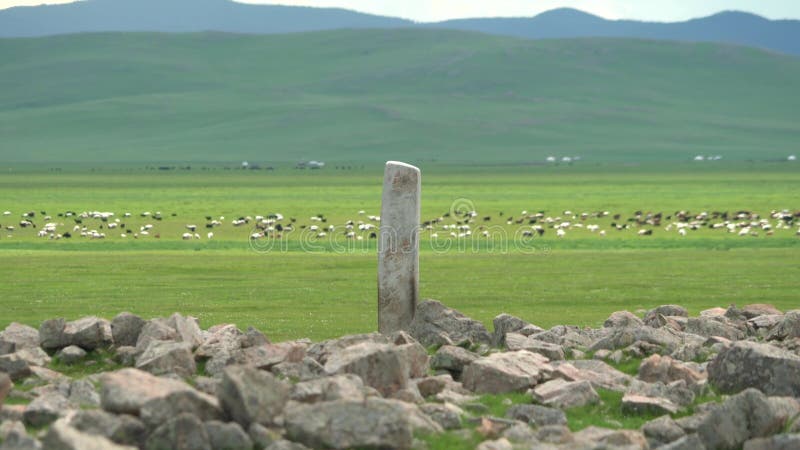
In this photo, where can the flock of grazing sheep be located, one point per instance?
(455, 225)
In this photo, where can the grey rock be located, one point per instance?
(496, 444)
(34, 356)
(262, 436)
(599, 373)
(71, 354)
(82, 393)
(88, 333)
(5, 387)
(155, 330)
(556, 434)
(622, 319)
(638, 404)
(16, 337)
(283, 444)
(521, 434)
(452, 359)
(322, 350)
(709, 326)
(623, 337)
(789, 327)
(160, 409)
(611, 438)
(569, 336)
(253, 338)
(416, 359)
(749, 414)
(506, 323)
(207, 385)
(183, 432)
(63, 437)
(122, 429)
(374, 423)
(506, 372)
(167, 357)
(126, 356)
(305, 370)
(187, 328)
(762, 366)
(337, 387)
(537, 415)
(688, 442)
(266, 356)
(222, 341)
(662, 430)
(250, 395)
(759, 309)
(51, 334)
(381, 366)
(676, 392)
(45, 409)
(447, 415)
(432, 318)
(125, 329)
(515, 342)
(126, 390)
(565, 394)
(14, 366)
(666, 370)
(777, 442)
(227, 436)
(666, 310)
(433, 385)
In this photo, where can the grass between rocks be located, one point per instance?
(96, 361)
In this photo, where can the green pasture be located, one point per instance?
(325, 291)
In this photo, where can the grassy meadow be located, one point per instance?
(293, 289)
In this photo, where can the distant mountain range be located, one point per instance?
(227, 16)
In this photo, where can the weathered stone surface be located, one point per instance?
(623, 337)
(537, 415)
(749, 364)
(51, 334)
(337, 387)
(63, 437)
(222, 341)
(452, 359)
(398, 247)
(82, 393)
(416, 359)
(506, 372)
(433, 385)
(187, 328)
(709, 326)
(45, 409)
(155, 330)
(160, 409)
(666, 370)
(777, 442)
(688, 442)
(15, 366)
(183, 432)
(664, 310)
(789, 327)
(126, 390)
(264, 437)
(433, 318)
(496, 444)
(17, 337)
(760, 309)
(227, 436)
(71, 354)
(622, 319)
(88, 333)
(677, 392)
(374, 423)
(34, 356)
(305, 370)
(565, 394)
(125, 329)
(662, 430)
(122, 429)
(167, 357)
(637, 404)
(266, 356)
(506, 323)
(749, 414)
(250, 395)
(447, 415)
(381, 366)
(5, 387)
(570, 336)
(600, 374)
(553, 352)
(713, 312)
(321, 351)
(593, 436)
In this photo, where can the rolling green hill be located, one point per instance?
(379, 94)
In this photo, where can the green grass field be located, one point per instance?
(290, 293)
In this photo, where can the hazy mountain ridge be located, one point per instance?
(227, 16)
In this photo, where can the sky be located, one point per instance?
(436, 10)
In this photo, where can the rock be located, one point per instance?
(71, 354)
(305, 370)
(433, 385)
(167, 357)
(183, 432)
(600, 374)
(83, 394)
(749, 414)
(253, 338)
(381, 366)
(14, 366)
(565, 394)
(623, 337)
(374, 423)
(224, 340)
(569, 336)
(63, 437)
(17, 337)
(249, 395)
(777, 442)
(283, 444)
(762, 366)
(765, 323)
(688, 442)
(622, 319)
(709, 326)
(497, 444)
(155, 330)
(227, 436)
(5, 387)
(607, 438)
(338, 387)
(51, 334)
(537, 415)
(122, 429)
(759, 309)
(447, 415)
(266, 356)
(432, 318)
(677, 392)
(555, 434)
(713, 312)
(552, 352)
(638, 404)
(88, 333)
(789, 327)
(187, 329)
(126, 390)
(665, 310)
(45, 409)
(160, 409)
(506, 323)
(662, 430)
(452, 359)
(322, 350)
(125, 329)
(9, 427)
(126, 356)
(506, 372)
(34, 356)
(666, 370)
(416, 359)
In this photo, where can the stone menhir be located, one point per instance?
(398, 248)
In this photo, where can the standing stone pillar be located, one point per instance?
(398, 247)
